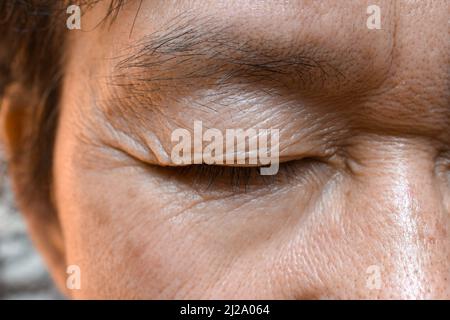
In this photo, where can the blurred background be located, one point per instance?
(22, 271)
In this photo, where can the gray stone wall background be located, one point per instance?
(22, 271)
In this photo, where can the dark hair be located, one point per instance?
(32, 42)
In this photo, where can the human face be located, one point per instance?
(362, 192)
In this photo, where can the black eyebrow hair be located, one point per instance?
(190, 47)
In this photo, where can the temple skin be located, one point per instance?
(366, 126)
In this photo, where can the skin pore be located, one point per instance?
(364, 122)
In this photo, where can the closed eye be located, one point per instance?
(241, 179)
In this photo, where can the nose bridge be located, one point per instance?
(416, 253)
(416, 211)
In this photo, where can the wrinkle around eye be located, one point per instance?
(148, 150)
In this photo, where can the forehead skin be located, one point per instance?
(379, 121)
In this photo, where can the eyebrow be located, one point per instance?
(192, 48)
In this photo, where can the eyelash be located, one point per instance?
(235, 177)
(239, 179)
